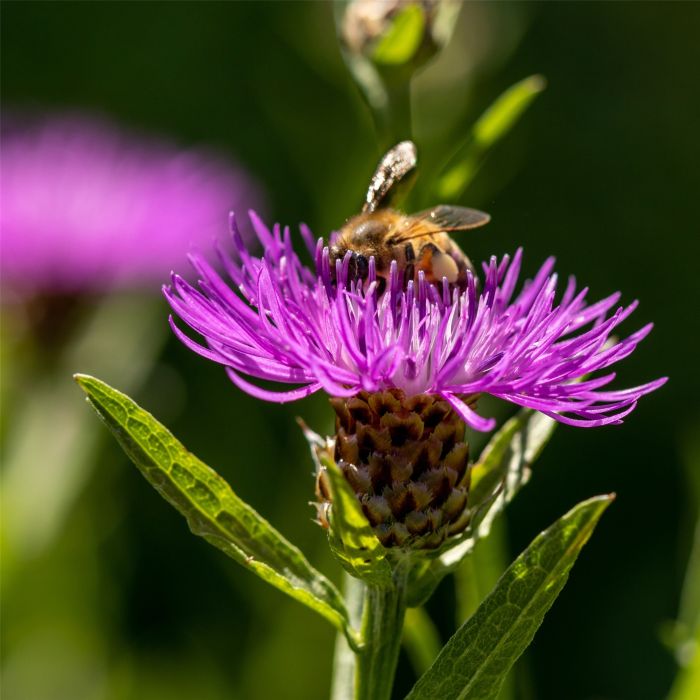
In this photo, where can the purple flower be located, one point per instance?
(290, 324)
(88, 207)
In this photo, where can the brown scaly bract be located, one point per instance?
(407, 462)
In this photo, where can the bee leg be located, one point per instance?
(409, 273)
(409, 255)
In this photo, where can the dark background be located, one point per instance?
(602, 172)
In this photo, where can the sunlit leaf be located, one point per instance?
(507, 109)
(493, 124)
(212, 509)
(350, 534)
(687, 683)
(474, 663)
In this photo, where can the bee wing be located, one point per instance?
(448, 218)
(392, 168)
(445, 218)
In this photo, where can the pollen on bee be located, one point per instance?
(443, 265)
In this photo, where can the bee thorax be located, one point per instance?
(370, 231)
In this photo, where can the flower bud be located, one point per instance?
(396, 32)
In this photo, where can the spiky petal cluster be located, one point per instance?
(288, 323)
(86, 206)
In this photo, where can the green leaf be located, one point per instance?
(350, 535)
(686, 686)
(493, 124)
(403, 38)
(507, 109)
(474, 663)
(501, 470)
(212, 509)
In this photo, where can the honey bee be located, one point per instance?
(417, 242)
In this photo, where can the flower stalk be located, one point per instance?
(384, 43)
(344, 657)
(382, 624)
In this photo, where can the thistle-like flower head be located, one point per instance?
(404, 362)
(317, 329)
(87, 206)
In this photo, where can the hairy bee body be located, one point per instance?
(383, 235)
(416, 242)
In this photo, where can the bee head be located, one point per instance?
(337, 253)
(358, 264)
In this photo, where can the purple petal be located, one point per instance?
(286, 323)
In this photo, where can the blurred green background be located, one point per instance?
(603, 172)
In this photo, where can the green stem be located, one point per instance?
(344, 658)
(382, 624)
(388, 96)
(395, 120)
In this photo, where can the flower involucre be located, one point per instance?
(318, 330)
(407, 461)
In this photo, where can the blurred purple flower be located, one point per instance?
(293, 325)
(88, 207)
